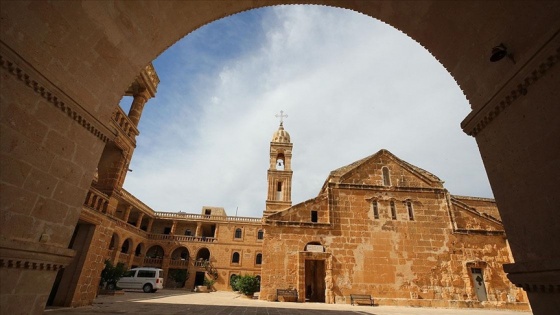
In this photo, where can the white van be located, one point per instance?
(147, 279)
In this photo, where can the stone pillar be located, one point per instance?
(137, 106)
(518, 134)
(173, 227)
(198, 229)
(139, 221)
(127, 213)
(150, 223)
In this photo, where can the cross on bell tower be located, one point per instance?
(280, 170)
(282, 116)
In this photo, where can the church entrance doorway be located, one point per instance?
(315, 281)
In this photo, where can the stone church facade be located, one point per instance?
(383, 227)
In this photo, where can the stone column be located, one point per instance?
(150, 223)
(127, 213)
(137, 106)
(139, 222)
(518, 136)
(198, 229)
(173, 227)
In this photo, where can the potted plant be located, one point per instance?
(110, 275)
(209, 283)
(247, 284)
(233, 282)
(179, 276)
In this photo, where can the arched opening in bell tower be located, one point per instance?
(280, 162)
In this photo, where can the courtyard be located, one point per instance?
(222, 302)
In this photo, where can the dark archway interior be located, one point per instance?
(65, 67)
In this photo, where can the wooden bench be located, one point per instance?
(354, 298)
(286, 295)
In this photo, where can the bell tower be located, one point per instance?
(279, 171)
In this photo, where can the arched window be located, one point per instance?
(260, 235)
(235, 258)
(386, 178)
(238, 233)
(155, 251)
(280, 162)
(203, 254)
(139, 249)
(126, 246)
(393, 211)
(409, 208)
(258, 259)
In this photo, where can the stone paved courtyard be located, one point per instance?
(226, 303)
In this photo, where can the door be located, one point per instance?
(127, 280)
(199, 278)
(315, 281)
(478, 281)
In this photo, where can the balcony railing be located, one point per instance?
(153, 262)
(130, 227)
(96, 200)
(123, 257)
(182, 238)
(179, 263)
(125, 124)
(138, 260)
(191, 216)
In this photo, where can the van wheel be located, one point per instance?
(147, 288)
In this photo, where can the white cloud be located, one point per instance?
(351, 85)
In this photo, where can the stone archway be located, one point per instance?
(64, 67)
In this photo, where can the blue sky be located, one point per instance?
(351, 85)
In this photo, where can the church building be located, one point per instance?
(383, 227)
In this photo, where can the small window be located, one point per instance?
(279, 196)
(260, 235)
(129, 274)
(258, 259)
(386, 178)
(235, 258)
(410, 212)
(188, 232)
(167, 230)
(375, 209)
(238, 233)
(146, 274)
(393, 211)
(313, 216)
